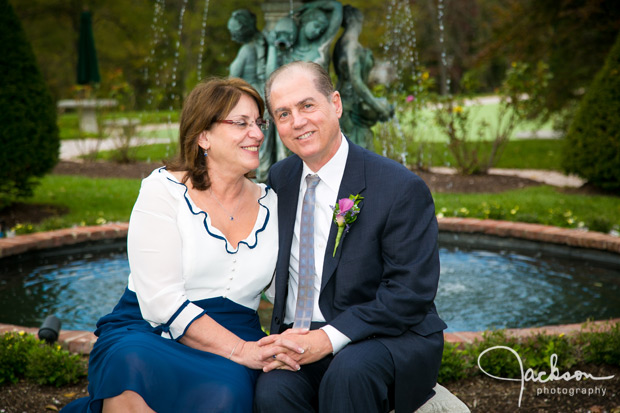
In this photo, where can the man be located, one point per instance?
(376, 340)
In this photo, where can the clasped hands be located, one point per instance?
(293, 348)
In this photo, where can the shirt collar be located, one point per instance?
(332, 172)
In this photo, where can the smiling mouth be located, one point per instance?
(251, 148)
(305, 136)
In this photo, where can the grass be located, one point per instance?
(146, 153)
(89, 201)
(68, 123)
(429, 131)
(94, 201)
(541, 204)
(519, 154)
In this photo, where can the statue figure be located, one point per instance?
(250, 63)
(306, 35)
(319, 24)
(353, 63)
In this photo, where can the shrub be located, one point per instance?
(589, 346)
(28, 131)
(24, 356)
(455, 363)
(592, 145)
(599, 348)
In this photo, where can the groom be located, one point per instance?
(375, 340)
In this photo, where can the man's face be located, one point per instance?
(307, 121)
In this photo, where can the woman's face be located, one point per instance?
(234, 149)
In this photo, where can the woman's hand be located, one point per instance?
(255, 356)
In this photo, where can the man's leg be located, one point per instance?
(283, 391)
(358, 379)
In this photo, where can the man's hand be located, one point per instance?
(316, 345)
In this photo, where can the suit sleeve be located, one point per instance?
(407, 269)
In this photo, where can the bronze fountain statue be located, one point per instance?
(307, 34)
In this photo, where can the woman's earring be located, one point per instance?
(206, 154)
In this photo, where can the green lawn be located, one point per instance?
(90, 201)
(540, 204)
(68, 123)
(519, 154)
(94, 201)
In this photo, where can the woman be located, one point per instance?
(202, 246)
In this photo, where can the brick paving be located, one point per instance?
(82, 341)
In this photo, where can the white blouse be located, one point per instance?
(176, 256)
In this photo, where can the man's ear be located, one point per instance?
(337, 102)
(203, 140)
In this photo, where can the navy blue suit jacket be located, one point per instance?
(383, 280)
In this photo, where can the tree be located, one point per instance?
(592, 145)
(130, 42)
(571, 36)
(28, 130)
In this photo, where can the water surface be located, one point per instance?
(478, 289)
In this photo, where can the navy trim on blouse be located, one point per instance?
(189, 324)
(166, 327)
(189, 205)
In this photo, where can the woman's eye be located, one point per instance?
(241, 123)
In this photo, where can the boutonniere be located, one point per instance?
(345, 213)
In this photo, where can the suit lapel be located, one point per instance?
(353, 182)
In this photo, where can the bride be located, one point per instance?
(202, 246)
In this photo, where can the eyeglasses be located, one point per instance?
(263, 124)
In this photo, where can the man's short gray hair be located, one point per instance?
(322, 81)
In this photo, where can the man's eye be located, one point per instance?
(308, 105)
(283, 115)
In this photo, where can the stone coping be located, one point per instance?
(60, 238)
(533, 232)
(82, 341)
(505, 229)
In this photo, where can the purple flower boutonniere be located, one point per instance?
(345, 213)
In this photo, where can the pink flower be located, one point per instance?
(345, 213)
(410, 98)
(345, 205)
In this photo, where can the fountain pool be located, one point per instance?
(478, 289)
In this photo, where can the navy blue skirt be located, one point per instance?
(171, 377)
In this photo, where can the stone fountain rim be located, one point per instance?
(533, 233)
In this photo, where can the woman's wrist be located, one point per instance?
(237, 354)
(234, 348)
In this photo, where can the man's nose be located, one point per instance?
(299, 120)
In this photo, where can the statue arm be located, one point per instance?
(271, 61)
(356, 71)
(237, 65)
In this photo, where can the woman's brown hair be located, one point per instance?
(210, 101)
